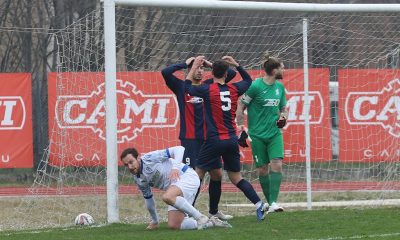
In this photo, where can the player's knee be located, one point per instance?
(235, 177)
(276, 166)
(216, 174)
(200, 172)
(168, 199)
(174, 225)
(263, 171)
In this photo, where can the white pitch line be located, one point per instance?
(376, 202)
(72, 227)
(352, 237)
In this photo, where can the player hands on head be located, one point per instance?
(265, 101)
(221, 140)
(192, 124)
(164, 170)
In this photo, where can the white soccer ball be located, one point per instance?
(84, 219)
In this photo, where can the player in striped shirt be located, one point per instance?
(220, 103)
(192, 126)
(266, 112)
(164, 170)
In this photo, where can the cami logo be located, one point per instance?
(136, 111)
(298, 108)
(376, 108)
(12, 113)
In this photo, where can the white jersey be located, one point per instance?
(155, 171)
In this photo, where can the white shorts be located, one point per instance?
(189, 183)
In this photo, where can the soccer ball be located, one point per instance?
(84, 219)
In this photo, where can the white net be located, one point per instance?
(354, 108)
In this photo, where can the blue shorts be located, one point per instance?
(192, 149)
(212, 151)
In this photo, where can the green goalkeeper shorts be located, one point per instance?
(266, 149)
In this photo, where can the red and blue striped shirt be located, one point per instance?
(220, 104)
(190, 107)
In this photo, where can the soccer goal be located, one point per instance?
(342, 140)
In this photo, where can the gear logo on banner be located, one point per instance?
(376, 108)
(136, 111)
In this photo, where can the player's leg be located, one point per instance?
(207, 160)
(214, 191)
(176, 218)
(174, 197)
(201, 173)
(275, 152)
(261, 159)
(231, 158)
(188, 188)
(202, 165)
(192, 149)
(184, 191)
(210, 160)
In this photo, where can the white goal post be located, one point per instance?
(110, 66)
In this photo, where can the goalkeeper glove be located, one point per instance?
(281, 122)
(242, 139)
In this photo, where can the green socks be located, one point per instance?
(275, 179)
(264, 181)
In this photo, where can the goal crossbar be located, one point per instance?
(262, 6)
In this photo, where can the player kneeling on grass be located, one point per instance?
(164, 170)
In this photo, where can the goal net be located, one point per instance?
(353, 108)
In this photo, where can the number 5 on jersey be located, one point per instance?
(226, 100)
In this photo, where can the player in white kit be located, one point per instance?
(164, 170)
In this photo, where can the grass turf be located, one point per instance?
(376, 223)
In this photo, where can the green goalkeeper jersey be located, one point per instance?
(264, 103)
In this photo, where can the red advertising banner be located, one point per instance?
(369, 119)
(148, 116)
(16, 142)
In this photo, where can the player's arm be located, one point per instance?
(282, 104)
(240, 112)
(242, 130)
(150, 203)
(175, 155)
(283, 112)
(243, 85)
(170, 79)
(199, 90)
(244, 101)
(231, 73)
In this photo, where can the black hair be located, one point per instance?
(128, 151)
(219, 68)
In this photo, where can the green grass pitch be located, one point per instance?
(326, 224)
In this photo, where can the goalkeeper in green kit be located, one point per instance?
(265, 101)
